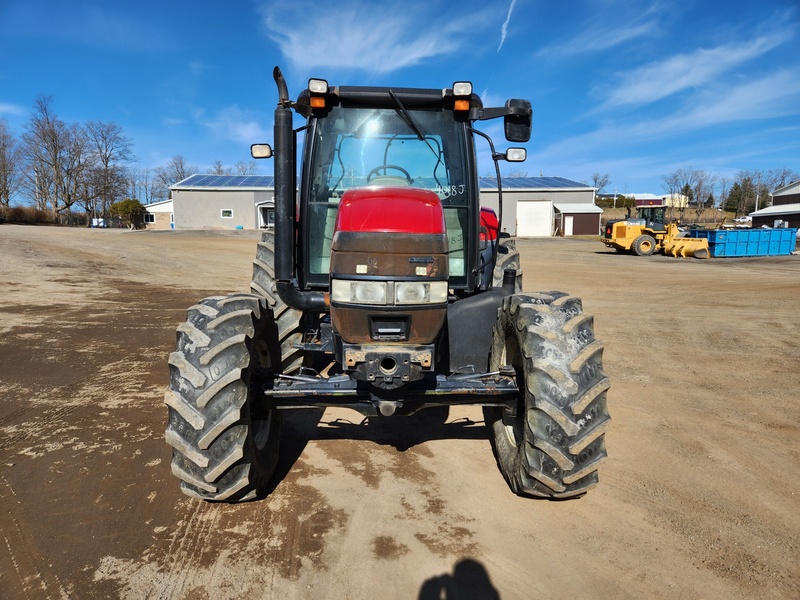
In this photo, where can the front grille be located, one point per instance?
(394, 329)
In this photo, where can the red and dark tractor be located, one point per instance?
(387, 289)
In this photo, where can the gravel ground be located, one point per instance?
(699, 498)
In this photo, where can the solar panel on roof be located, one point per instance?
(226, 181)
(268, 181)
(536, 183)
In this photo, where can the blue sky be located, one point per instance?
(632, 89)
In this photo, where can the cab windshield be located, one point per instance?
(359, 147)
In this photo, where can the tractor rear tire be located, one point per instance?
(224, 445)
(507, 258)
(289, 320)
(644, 245)
(553, 443)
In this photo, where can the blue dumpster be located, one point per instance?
(748, 242)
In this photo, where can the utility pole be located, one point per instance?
(758, 188)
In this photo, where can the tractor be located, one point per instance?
(387, 289)
(650, 232)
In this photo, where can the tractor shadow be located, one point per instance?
(401, 432)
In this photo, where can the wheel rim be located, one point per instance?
(260, 428)
(514, 427)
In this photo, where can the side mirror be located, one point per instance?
(518, 125)
(261, 151)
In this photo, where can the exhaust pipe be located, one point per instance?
(285, 186)
(284, 183)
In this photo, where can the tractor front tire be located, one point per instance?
(225, 445)
(551, 444)
(644, 245)
(288, 320)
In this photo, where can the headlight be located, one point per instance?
(358, 292)
(376, 292)
(420, 292)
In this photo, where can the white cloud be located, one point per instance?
(504, 28)
(11, 109)
(658, 80)
(597, 39)
(607, 29)
(772, 96)
(233, 124)
(376, 38)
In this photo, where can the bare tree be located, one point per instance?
(703, 189)
(779, 178)
(724, 183)
(217, 168)
(599, 181)
(246, 168)
(775, 179)
(672, 185)
(110, 149)
(142, 185)
(42, 147)
(10, 168)
(174, 171)
(76, 162)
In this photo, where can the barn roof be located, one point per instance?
(533, 183)
(225, 182)
(777, 209)
(787, 190)
(261, 182)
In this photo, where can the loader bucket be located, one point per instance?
(688, 247)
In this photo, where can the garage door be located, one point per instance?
(534, 218)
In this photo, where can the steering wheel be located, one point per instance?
(384, 167)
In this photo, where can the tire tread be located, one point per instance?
(557, 452)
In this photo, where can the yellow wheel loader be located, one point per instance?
(649, 232)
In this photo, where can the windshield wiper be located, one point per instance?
(406, 116)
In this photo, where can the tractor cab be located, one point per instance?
(350, 147)
(399, 139)
(653, 217)
(385, 230)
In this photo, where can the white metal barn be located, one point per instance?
(532, 206)
(224, 202)
(544, 206)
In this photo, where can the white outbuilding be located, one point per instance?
(544, 206)
(532, 206)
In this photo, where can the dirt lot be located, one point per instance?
(700, 496)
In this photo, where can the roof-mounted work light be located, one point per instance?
(318, 88)
(462, 90)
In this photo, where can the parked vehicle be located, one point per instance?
(384, 288)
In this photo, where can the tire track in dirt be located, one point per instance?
(190, 539)
(211, 549)
(34, 577)
(40, 427)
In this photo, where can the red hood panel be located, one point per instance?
(391, 210)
